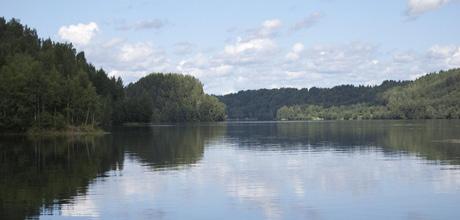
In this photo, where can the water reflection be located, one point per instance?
(167, 146)
(40, 174)
(336, 170)
(433, 139)
(287, 170)
(45, 174)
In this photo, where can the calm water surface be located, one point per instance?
(272, 170)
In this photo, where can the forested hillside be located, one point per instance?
(433, 96)
(169, 98)
(263, 104)
(46, 85)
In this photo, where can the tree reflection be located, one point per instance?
(44, 173)
(431, 139)
(39, 175)
(167, 146)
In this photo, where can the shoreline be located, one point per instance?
(68, 131)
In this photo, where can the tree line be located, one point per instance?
(433, 96)
(47, 85)
(263, 104)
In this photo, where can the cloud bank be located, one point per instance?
(257, 58)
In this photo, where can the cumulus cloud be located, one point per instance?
(79, 34)
(418, 7)
(258, 45)
(294, 54)
(307, 22)
(142, 25)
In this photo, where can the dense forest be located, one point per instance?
(433, 96)
(342, 112)
(169, 98)
(45, 85)
(263, 104)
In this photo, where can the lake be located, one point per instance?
(238, 170)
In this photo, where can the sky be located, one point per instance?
(242, 44)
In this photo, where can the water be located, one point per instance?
(266, 170)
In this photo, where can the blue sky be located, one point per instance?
(237, 45)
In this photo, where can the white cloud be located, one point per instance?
(222, 69)
(195, 66)
(271, 24)
(295, 74)
(268, 29)
(254, 45)
(441, 51)
(298, 47)
(294, 54)
(417, 7)
(340, 58)
(128, 60)
(257, 46)
(79, 34)
(456, 58)
(256, 60)
(135, 52)
(447, 55)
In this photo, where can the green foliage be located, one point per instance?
(169, 98)
(46, 85)
(263, 104)
(211, 109)
(433, 96)
(350, 112)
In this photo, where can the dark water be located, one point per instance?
(286, 170)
